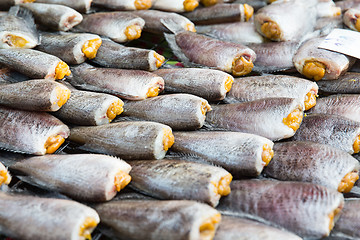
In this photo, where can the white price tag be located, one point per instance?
(343, 41)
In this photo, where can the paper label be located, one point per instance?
(343, 41)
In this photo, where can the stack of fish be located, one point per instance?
(151, 147)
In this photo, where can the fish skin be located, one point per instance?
(350, 17)
(334, 130)
(160, 220)
(336, 63)
(238, 153)
(256, 4)
(114, 55)
(126, 84)
(27, 132)
(310, 162)
(178, 111)
(66, 46)
(233, 228)
(302, 208)
(82, 6)
(10, 76)
(348, 222)
(173, 6)
(83, 177)
(177, 180)
(347, 4)
(347, 83)
(32, 63)
(128, 140)
(122, 5)
(252, 88)
(255, 117)
(54, 16)
(31, 95)
(22, 217)
(109, 24)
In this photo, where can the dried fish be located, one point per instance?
(82, 6)
(31, 132)
(10, 76)
(232, 228)
(347, 4)
(18, 30)
(90, 108)
(351, 18)
(241, 154)
(273, 118)
(118, 26)
(114, 55)
(305, 162)
(123, 5)
(128, 140)
(252, 88)
(306, 209)
(348, 222)
(178, 111)
(127, 84)
(34, 64)
(180, 180)
(334, 130)
(6, 4)
(347, 83)
(160, 220)
(83, 177)
(5, 177)
(153, 21)
(72, 48)
(54, 16)
(176, 5)
(34, 95)
(256, 4)
(28, 217)
(316, 63)
(206, 83)
(327, 8)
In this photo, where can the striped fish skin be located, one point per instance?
(311, 162)
(34, 95)
(233, 228)
(348, 222)
(347, 83)
(252, 88)
(178, 111)
(126, 84)
(23, 216)
(264, 117)
(334, 130)
(160, 220)
(210, 84)
(114, 55)
(111, 24)
(83, 177)
(54, 16)
(238, 153)
(180, 180)
(82, 6)
(28, 132)
(306, 209)
(128, 140)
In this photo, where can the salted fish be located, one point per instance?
(5, 177)
(234, 228)
(176, 5)
(256, 4)
(18, 30)
(347, 4)
(316, 63)
(153, 21)
(82, 6)
(90, 108)
(10, 76)
(348, 222)
(34, 64)
(83, 177)
(347, 83)
(180, 180)
(159, 220)
(118, 26)
(54, 16)
(31, 132)
(178, 111)
(34, 95)
(128, 140)
(114, 55)
(6, 4)
(221, 13)
(351, 18)
(273, 118)
(286, 20)
(123, 4)
(28, 218)
(242, 154)
(334, 130)
(314, 162)
(252, 88)
(210, 84)
(236, 32)
(306, 209)
(72, 48)
(127, 84)
(327, 8)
